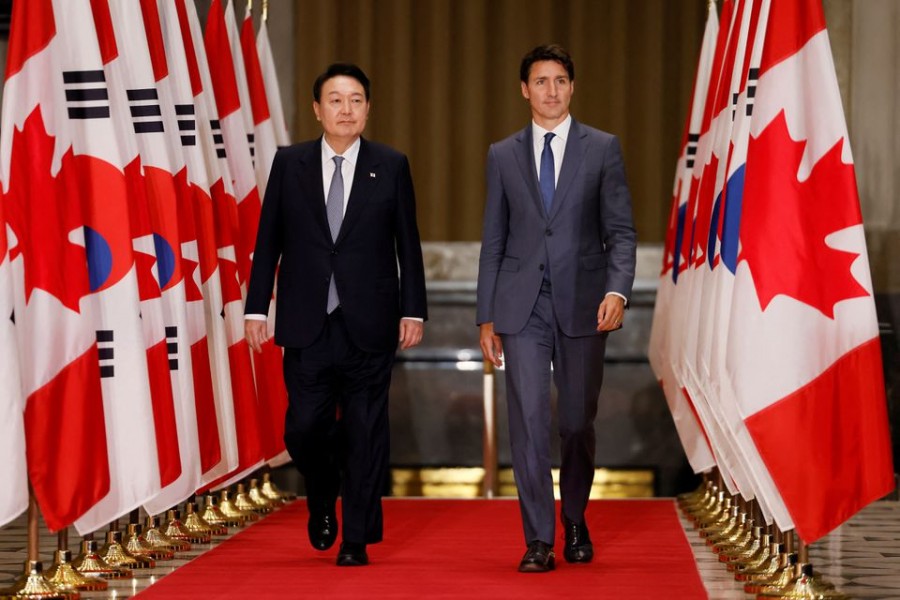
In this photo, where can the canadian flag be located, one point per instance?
(237, 214)
(65, 429)
(144, 75)
(213, 194)
(203, 434)
(270, 386)
(682, 336)
(107, 185)
(719, 240)
(13, 468)
(802, 354)
(687, 421)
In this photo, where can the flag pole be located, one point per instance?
(265, 10)
(489, 441)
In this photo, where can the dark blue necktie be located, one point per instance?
(548, 173)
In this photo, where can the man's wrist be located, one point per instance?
(624, 299)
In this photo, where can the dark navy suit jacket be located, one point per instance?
(378, 235)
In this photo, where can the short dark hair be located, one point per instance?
(553, 52)
(336, 70)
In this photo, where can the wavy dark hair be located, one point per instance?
(553, 52)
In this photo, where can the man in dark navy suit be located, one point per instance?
(339, 214)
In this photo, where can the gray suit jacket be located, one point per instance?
(587, 241)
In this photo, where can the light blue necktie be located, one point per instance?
(548, 173)
(334, 206)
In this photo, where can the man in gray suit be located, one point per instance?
(555, 273)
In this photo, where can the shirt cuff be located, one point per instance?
(252, 317)
(419, 319)
(619, 295)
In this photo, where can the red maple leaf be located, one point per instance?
(784, 222)
(43, 211)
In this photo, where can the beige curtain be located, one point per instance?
(445, 85)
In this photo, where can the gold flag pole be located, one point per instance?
(265, 10)
(32, 584)
(489, 441)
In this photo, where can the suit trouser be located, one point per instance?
(578, 374)
(330, 377)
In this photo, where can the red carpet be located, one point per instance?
(447, 549)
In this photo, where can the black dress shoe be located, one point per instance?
(579, 548)
(352, 555)
(323, 529)
(539, 558)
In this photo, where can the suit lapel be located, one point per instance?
(309, 177)
(365, 179)
(572, 160)
(525, 159)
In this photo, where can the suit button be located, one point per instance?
(334, 252)
(327, 279)
(541, 267)
(549, 232)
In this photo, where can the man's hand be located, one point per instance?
(411, 332)
(257, 333)
(491, 346)
(610, 313)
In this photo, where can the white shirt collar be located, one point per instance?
(561, 130)
(350, 154)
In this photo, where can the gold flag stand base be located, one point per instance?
(138, 545)
(90, 563)
(257, 497)
(803, 586)
(115, 554)
(33, 585)
(158, 539)
(64, 576)
(271, 491)
(230, 510)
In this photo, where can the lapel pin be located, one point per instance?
(372, 175)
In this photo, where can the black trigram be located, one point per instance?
(734, 102)
(752, 79)
(105, 352)
(87, 95)
(187, 124)
(693, 138)
(251, 141)
(218, 140)
(172, 347)
(145, 110)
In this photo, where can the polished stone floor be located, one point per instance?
(861, 558)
